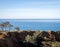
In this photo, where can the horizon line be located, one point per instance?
(29, 19)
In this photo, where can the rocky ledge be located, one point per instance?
(29, 38)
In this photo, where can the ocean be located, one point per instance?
(34, 24)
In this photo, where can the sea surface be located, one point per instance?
(34, 24)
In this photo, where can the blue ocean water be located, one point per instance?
(30, 24)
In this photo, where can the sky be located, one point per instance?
(29, 9)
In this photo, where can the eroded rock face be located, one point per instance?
(55, 36)
(15, 39)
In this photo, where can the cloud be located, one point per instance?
(30, 13)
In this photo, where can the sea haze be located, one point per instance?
(34, 24)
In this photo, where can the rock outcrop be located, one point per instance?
(16, 39)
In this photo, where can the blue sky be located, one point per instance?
(29, 4)
(29, 9)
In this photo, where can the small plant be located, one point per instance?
(28, 38)
(17, 28)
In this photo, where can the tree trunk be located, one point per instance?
(9, 29)
(5, 28)
(2, 28)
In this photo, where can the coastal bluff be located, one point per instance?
(34, 38)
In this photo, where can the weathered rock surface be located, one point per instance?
(15, 39)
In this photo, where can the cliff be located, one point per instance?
(17, 39)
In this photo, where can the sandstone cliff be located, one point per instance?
(16, 39)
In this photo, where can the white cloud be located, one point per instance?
(30, 14)
(46, 3)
